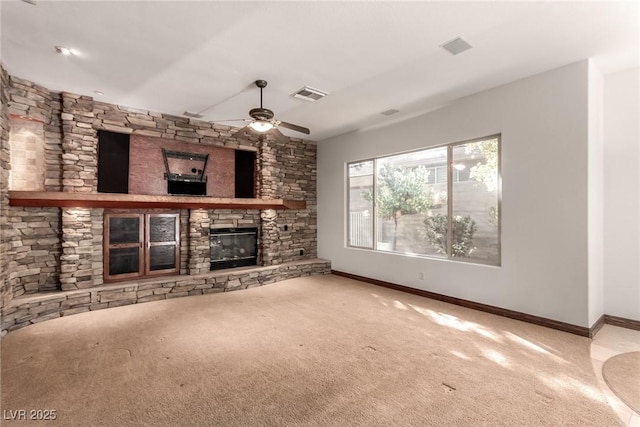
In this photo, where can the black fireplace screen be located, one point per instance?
(233, 247)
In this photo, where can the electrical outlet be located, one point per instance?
(421, 275)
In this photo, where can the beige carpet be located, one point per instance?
(319, 351)
(622, 374)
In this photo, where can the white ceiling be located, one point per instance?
(173, 56)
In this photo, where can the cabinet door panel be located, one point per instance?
(163, 242)
(162, 257)
(123, 247)
(162, 228)
(124, 230)
(124, 261)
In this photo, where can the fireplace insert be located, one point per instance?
(233, 247)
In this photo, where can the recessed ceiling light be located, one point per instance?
(98, 92)
(65, 50)
(456, 46)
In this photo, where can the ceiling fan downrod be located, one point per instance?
(261, 84)
(262, 114)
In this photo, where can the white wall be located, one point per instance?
(544, 125)
(596, 194)
(622, 194)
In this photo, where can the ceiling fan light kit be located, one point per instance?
(261, 125)
(262, 121)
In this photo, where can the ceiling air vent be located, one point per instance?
(309, 94)
(456, 46)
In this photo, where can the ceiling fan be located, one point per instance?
(262, 121)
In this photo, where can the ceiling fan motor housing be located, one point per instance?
(261, 114)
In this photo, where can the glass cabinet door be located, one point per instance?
(163, 239)
(123, 254)
(141, 245)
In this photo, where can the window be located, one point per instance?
(141, 245)
(438, 202)
(360, 205)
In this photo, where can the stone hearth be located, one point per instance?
(38, 307)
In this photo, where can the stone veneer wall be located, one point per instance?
(199, 241)
(289, 172)
(34, 264)
(73, 237)
(184, 241)
(81, 261)
(32, 235)
(6, 286)
(27, 99)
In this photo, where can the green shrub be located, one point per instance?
(463, 230)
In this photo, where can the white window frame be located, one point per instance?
(453, 176)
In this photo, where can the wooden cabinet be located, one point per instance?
(137, 245)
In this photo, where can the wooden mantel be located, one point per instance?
(138, 201)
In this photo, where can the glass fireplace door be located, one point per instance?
(233, 247)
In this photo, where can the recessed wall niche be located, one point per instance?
(28, 168)
(245, 177)
(113, 162)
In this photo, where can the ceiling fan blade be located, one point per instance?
(233, 95)
(230, 120)
(280, 136)
(295, 127)
(241, 132)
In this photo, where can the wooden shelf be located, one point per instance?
(138, 201)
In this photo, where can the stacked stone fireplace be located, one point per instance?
(61, 249)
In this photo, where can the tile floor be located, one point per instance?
(608, 342)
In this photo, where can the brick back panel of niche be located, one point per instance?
(27, 155)
(146, 166)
